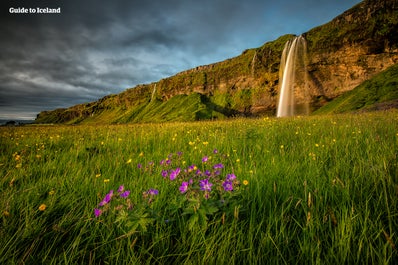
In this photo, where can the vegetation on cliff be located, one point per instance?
(371, 22)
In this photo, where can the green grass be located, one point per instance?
(321, 190)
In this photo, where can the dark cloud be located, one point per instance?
(94, 48)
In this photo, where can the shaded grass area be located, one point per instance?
(321, 190)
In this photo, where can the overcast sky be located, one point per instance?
(95, 48)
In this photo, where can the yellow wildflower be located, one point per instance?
(245, 182)
(51, 192)
(106, 180)
(98, 175)
(129, 161)
(42, 207)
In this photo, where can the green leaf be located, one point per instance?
(210, 209)
(193, 221)
(121, 217)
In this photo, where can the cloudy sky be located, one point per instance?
(98, 47)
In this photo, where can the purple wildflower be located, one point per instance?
(205, 159)
(97, 212)
(184, 187)
(231, 177)
(205, 185)
(228, 185)
(152, 192)
(125, 194)
(174, 173)
(107, 198)
(120, 189)
(164, 173)
(139, 166)
(215, 151)
(208, 173)
(218, 166)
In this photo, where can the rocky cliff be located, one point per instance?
(343, 53)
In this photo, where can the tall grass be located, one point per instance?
(321, 190)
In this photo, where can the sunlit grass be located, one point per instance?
(320, 190)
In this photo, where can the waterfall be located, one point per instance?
(153, 92)
(293, 74)
(254, 62)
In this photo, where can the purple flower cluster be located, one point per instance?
(108, 197)
(203, 178)
(121, 196)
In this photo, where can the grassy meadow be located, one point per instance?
(303, 190)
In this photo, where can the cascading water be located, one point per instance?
(293, 74)
(153, 92)
(254, 62)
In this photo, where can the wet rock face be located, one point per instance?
(334, 73)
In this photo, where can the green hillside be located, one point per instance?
(180, 108)
(379, 92)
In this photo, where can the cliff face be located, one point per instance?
(342, 54)
(361, 43)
